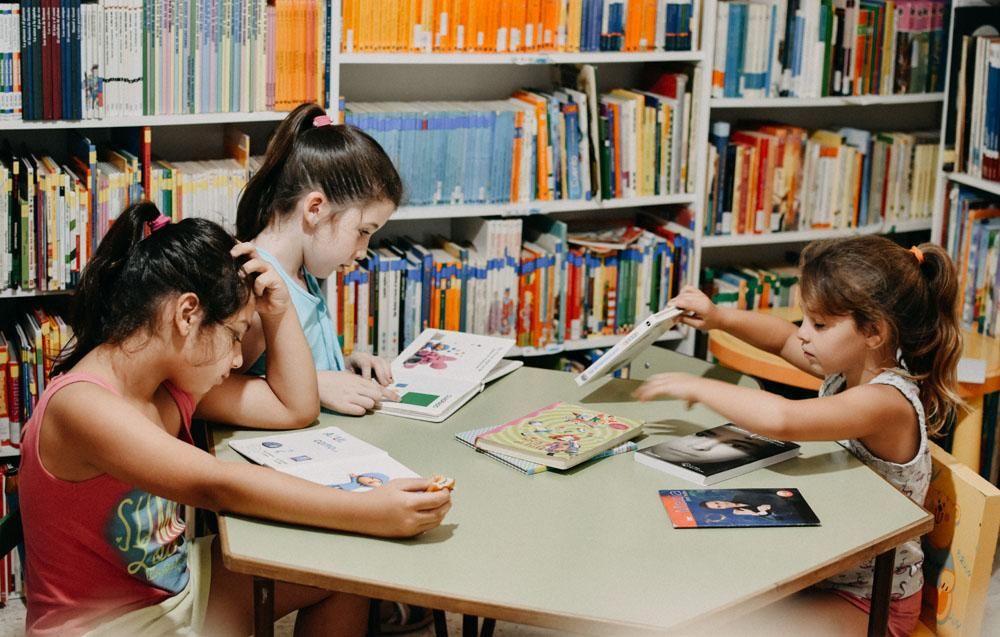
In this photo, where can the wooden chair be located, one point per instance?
(958, 553)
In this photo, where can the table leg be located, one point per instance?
(878, 618)
(440, 624)
(263, 607)
(470, 626)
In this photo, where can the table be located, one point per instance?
(590, 550)
(740, 356)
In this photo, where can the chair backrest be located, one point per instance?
(958, 552)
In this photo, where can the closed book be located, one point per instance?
(728, 508)
(559, 435)
(716, 454)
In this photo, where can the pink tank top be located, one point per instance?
(99, 548)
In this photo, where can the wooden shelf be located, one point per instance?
(146, 120)
(585, 343)
(992, 187)
(819, 102)
(527, 58)
(803, 236)
(410, 213)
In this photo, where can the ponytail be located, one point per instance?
(914, 292)
(131, 273)
(307, 154)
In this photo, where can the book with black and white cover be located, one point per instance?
(639, 338)
(716, 454)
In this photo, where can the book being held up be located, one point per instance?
(639, 338)
(442, 370)
(559, 435)
(327, 455)
(716, 454)
(724, 508)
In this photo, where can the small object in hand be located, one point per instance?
(439, 483)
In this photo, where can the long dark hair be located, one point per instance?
(131, 273)
(872, 279)
(342, 162)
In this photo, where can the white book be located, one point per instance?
(442, 370)
(642, 336)
(328, 456)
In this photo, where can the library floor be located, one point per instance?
(12, 618)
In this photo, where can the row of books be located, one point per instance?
(976, 108)
(972, 238)
(514, 26)
(28, 351)
(531, 280)
(74, 60)
(539, 146)
(752, 288)
(797, 48)
(780, 178)
(12, 564)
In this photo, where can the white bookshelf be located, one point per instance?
(145, 120)
(517, 58)
(410, 213)
(805, 236)
(825, 102)
(9, 452)
(991, 187)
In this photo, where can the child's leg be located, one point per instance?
(230, 606)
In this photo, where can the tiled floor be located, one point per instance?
(12, 619)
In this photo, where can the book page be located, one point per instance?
(445, 354)
(312, 446)
(426, 394)
(353, 474)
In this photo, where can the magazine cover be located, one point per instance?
(559, 435)
(726, 508)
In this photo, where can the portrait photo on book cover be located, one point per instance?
(737, 507)
(721, 448)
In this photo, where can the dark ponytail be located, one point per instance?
(131, 273)
(342, 162)
(873, 279)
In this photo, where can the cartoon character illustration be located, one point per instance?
(432, 354)
(363, 482)
(564, 443)
(94, 87)
(507, 313)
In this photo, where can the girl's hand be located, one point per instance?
(674, 384)
(404, 508)
(268, 288)
(369, 366)
(348, 393)
(700, 312)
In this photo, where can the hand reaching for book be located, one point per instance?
(699, 310)
(368, 366)
(673, 384)
(351, 394)
(404, 507)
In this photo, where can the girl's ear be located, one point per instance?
(187, 310)
(877, 334)
(313, 208)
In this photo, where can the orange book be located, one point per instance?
(574, 27)
(633, 24)
(963, 264)
(550, 24)
(309, 59)
(517, 17)
(442, 35)
(474, 26)
(458, 24)
(492, 26)
(347, 33)
(503, 28)
(532, 21)
(541, 115)
(413, 21)
(648, 34)
(515, 173)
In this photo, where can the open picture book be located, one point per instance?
(442, 370)
(327, 455)
(639, 338)
(559, 435)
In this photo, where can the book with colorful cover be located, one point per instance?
(526, 466)
(716, 454)
(327, 455)
(560, 435)
(442, 370)
(727, 508)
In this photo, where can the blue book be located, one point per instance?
(719, 137)
(734, 49)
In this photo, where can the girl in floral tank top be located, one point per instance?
(880, 326)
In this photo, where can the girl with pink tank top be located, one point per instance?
(880, 325)
(108, 459)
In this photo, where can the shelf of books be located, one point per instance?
(986, 186)
(595, 57)
(192, 119)
(409, 213)
(805, 236)
(812, 102)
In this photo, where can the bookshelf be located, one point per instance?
(811, 106)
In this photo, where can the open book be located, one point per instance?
(642, 336)
(441, 370)
(559, 435)
(327, 456)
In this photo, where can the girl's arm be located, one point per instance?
(872, 412)
(772, 334)
(125, 444)
(288, 396)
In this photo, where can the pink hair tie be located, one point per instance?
(156, 224)
(322, 120)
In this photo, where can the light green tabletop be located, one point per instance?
(591, 547)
